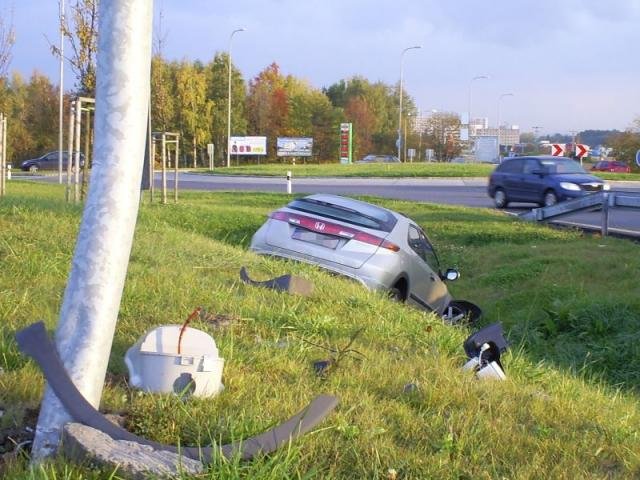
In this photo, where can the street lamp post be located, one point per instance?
(405, 137)
(498, 118)
(400, 112)
(61, 94)
(229, 94)
(478, 77)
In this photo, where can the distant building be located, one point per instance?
(509, 135)
(477, 124)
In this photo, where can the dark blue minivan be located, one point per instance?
(545, 180)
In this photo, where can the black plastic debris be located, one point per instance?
(286, 283)
(321, 367)
(462, 311)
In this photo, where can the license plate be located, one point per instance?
(328, 241)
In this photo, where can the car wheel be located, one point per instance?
(33, 168)
(500, 198)
(550, 198)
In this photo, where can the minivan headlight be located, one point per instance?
(606, 186)
(569, 186)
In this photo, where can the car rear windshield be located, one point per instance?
(562, 166)
(373, 217)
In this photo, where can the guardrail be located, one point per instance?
(594, 201)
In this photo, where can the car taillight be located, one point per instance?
(329, 228)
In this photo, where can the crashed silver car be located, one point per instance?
(380, 248)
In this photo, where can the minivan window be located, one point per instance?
(530, 165)
(511, 166)
(375, 217)
(562, 166)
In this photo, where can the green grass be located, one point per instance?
(569, 304)
(419, 170)
(370, 170)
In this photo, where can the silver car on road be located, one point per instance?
(382, 249)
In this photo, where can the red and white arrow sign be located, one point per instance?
(557, 149)
(582, 150)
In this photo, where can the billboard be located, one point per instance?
(248, 145)
(294, 147)
(486, 149)
(346, 138)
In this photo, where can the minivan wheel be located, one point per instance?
(500, 198)
(33, 168)
(550, 198)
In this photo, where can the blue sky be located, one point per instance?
(571, 64)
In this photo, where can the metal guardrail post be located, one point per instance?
(604, 228)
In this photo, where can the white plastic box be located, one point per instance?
(156, 366)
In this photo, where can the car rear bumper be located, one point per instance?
(366, 275)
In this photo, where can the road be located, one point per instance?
(450, 191)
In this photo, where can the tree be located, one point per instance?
(373, 109)
(312, 115)
(440, 130)
(626, 144)
(82, 35)
(194, 115)
(268, 105)
(163, 104)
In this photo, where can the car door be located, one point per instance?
(532, 184)
(425, 286)
(50, 161)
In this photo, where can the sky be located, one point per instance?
(571, 65)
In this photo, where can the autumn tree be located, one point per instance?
(195, 114)
(268, 105)
(373, 110)
(312, 115)
(82, 33)
(162, 95)
(441, 135)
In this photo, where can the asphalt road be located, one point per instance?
(450, 191)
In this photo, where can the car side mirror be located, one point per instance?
(538, 171)
(451, 274)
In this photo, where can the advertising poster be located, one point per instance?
(248, 145)
(294, 147)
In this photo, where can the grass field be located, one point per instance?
(396, 170)
(570, 305)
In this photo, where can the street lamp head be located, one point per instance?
(480, 77)
(507, 95)
(411, 48)
(241, 29)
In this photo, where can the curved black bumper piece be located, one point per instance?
(34, 341)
